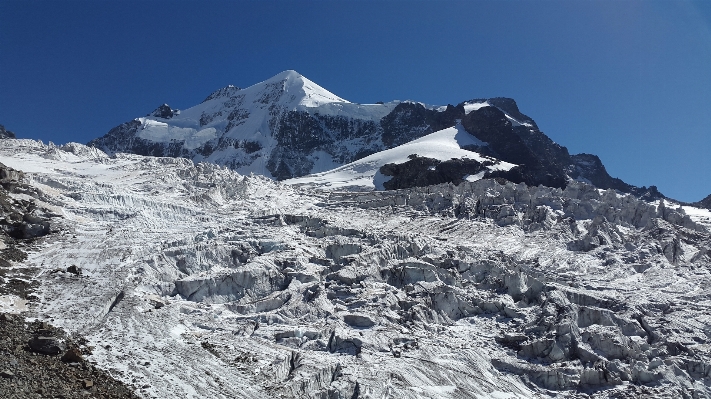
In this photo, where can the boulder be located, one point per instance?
(46, 345)
(73, 355)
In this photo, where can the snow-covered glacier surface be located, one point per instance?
(199, 282)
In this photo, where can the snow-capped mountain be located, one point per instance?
(288, 127)
(193, 281)
(283, 127)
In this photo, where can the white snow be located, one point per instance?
(364, 173)
(159, 131)
(12, 304)
(296, 85)
(244, 115)
(474, 106)
(469, 107)
(699, 215)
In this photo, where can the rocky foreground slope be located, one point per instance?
(196, 281)
(36, 359)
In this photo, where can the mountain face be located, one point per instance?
(6, 134)
(192, 281)
(704, 203)
(288, 127)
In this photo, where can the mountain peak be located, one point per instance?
(301, 91)
(164, 111)
(289, 74)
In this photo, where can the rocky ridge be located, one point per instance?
(6, 134)
(287, 127)
(704, 203)
(197, 281)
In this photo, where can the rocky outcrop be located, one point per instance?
(490, 125)
(422, 172)
(164, 112)
(228, 91)
(6, 134)
(31, 371)
(410, 121)
(704, 203)
(19, 218)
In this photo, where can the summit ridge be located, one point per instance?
(289, 127)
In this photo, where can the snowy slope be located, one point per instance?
(200, 282)
(364, 174)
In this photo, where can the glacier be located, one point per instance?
(198, 281)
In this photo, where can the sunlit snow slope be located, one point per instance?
(364, 174)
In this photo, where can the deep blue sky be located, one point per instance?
(629, 81)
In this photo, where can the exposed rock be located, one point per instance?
(422, 172)
(704, 203)
(358, 320)
(6, 134)
(164, 112)
(225, 92)
(26, 375)
(73, 355)
(73, 269)
(46, 345)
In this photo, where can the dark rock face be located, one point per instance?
(421, 172)
(285, 163)
(251, 146)
(123, 138)
(589, 167)
(489, 124)
(164, 111)
(541, 161)
(29, 374)
(301, 132)
(509, 106)
(6, 134)
(704, 203)
(410, 121)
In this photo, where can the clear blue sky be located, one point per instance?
(629, 81)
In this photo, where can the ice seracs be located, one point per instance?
(200, 282)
